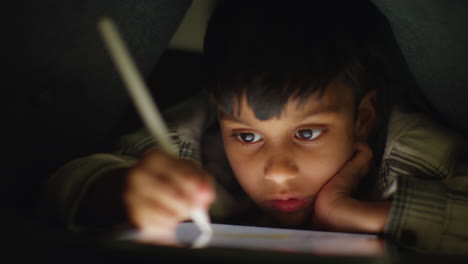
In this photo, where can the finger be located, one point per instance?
(162, 193)
(157, 156)
(360, 163)
(155, 228)
(145, 215)
(198, 184)
(363, 158)
(204, 186)
(364, 148)
(350, 175)
(205, 195)
(192, 181)
(174, 168)
(166, 175)
(185, 175)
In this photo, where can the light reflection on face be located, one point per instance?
(283, 162)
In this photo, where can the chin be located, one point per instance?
(291, 220)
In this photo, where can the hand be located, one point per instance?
(161, 191)
(337, 210)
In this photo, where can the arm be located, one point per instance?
(67, 188)
(337, 209)
(425, 215)
(430, 203)
(87, 192)
(102, 205)
(431, 216)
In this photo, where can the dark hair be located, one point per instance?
(275, 50)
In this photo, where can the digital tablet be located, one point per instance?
(272, 239)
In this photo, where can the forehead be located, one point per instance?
(337, 97)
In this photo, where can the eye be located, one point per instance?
(247, 137)
(308, 134)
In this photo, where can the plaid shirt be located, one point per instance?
(423, 171)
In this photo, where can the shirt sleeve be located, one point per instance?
(66, 188)
(431, 215)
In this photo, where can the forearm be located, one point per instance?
(430, 216)
(102, 205)
(69, 188)
(352, 215)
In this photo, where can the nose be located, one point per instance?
(280, 170)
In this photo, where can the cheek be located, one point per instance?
(323, 163)
(243, 166)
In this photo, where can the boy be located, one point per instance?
(313, 122)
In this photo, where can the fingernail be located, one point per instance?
(204, 195)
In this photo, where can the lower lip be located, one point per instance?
(289, 205)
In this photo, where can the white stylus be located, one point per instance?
(147, 108)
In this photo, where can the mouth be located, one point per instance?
(288, 205)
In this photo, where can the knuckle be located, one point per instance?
(135, 176)
(135, 171)
(155, 156)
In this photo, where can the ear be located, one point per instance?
(366, 116)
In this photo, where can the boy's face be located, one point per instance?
(282, 163)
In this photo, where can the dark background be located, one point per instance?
(62, 98)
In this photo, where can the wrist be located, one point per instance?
(353, 215)
(374, 215)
